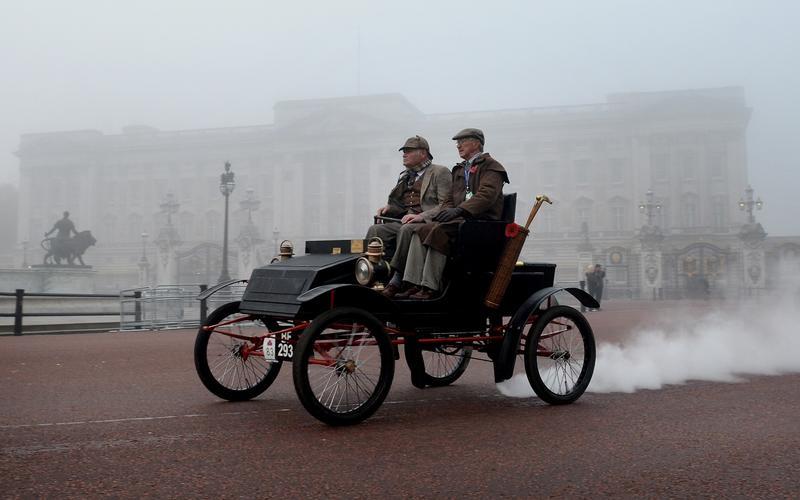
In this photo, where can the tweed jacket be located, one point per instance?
(436, 186)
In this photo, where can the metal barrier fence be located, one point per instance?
(94, 310)
(149, 308)
(170, 306)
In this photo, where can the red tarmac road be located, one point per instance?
(124, 415)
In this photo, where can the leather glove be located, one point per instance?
(448, 214)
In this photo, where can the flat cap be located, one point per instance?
(474, 133)
(417, 142)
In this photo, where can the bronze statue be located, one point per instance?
(63, 246)
(65, 228)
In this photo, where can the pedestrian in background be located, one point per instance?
(595, 280)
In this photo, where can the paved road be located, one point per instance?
(123, 414)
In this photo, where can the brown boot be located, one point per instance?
(407, 293)
(390, 291)
(424, 294)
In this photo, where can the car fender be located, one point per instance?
(325, 297)
(507, 356)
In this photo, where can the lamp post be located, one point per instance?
(143, 264)
(275, 234)
(25, 254)
(649, 207)
(747, 204)
(226, 186)
(169, 206)
(144, 248)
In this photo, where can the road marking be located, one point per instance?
(201, 415)
(134, 419)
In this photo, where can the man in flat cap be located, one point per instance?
(477, 193)
(420, 193)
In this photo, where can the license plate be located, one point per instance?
(269, 349)
(280, 349)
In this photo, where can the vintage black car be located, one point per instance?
(343, 338)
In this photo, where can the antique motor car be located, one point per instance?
(322, 312)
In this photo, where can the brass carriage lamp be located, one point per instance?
(285, 253)
(286, 250)
(371, 269)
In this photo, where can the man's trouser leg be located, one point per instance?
(403, 238)
(415, 261)
(386, 232)
(433, 269)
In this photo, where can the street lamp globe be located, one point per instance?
(227, 182)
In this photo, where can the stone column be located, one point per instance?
(248, 242)
(249, 238)
(167, 244)
(651, 262)
(143, 273)
(752, 237)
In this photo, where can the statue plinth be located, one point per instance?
(49, 279)
(57, 266)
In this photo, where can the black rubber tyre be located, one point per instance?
(343, 366)
(219, 362)
(560, 355)
(445, 364)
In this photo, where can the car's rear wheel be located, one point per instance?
(444, 364)
(560, 355)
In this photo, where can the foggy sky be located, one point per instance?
(198, 64)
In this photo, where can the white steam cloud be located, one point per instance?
(755, 338)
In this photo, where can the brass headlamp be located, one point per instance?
(285, 253)
(371, 269)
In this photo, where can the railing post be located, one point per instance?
(137, 308)
(203, 305)
(18, 312)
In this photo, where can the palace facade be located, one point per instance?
(324, 166)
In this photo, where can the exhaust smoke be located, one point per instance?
(757, 338)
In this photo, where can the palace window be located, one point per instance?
(548, 222)
(719, 212)
(213, 226)
(618, 213)
(688, 163)
(583, 212)
(616, 170)
(659, 163)
(717, 163)
(135, 227)
(583, 172)
(617, 218)
(689, 210)
(549, 173)
(582, 215)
